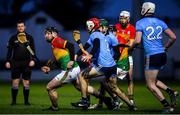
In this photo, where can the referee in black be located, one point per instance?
(20, 61)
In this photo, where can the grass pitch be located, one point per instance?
(145, 101)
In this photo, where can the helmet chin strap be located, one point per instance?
(146, 12)
(92, 30)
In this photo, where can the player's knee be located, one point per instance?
(48, 88)
(151, 87)
(85, 72)
(81, 77)
(76, 85)
(130, 81)
(113, 86)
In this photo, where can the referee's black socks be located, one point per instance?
(14, 92)
(26, 95)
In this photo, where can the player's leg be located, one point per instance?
(51, 89)
(112, 83)
(123, 71)
(91, 91)
(151, 84)
(102, 98)
(111, 76)
(86, 89)
(130, 80)
(172, 93)
(116, 100)
(26, 76)
(52, 86)
(100, 102)
(101, 95)
(83, 79)
(153, 64)
(121, 74)
(77, 85)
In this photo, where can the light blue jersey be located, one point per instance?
(152, 29)
(104, 56)
(112, 40)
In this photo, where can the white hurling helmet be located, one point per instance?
(148, 7)
(124, 14)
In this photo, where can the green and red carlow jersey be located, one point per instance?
(61, 53)
(124, 36)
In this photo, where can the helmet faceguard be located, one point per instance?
(148, 8)
(92, 24)
(124, 18)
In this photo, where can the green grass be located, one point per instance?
(39, 99)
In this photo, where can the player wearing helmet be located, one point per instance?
(104, 64)
(148, 8)
(94, 40)
(113, 45)
(125, 34)
(149, 30)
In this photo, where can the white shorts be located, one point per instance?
(121, 74)
(71, 75)
(130, 60)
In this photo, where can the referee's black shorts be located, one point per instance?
(20, 69)
(155, 62)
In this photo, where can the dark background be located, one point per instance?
(74, 13)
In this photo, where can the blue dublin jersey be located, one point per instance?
(103, 56)
(112, 40)
(152, 29)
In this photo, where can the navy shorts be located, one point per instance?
(155, 62)
(109, 71)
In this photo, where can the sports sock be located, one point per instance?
(169, 91)
(26, 94)
(116, 98)
(165, 103)
(88, 98)
(131, 97)
(14, 92)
